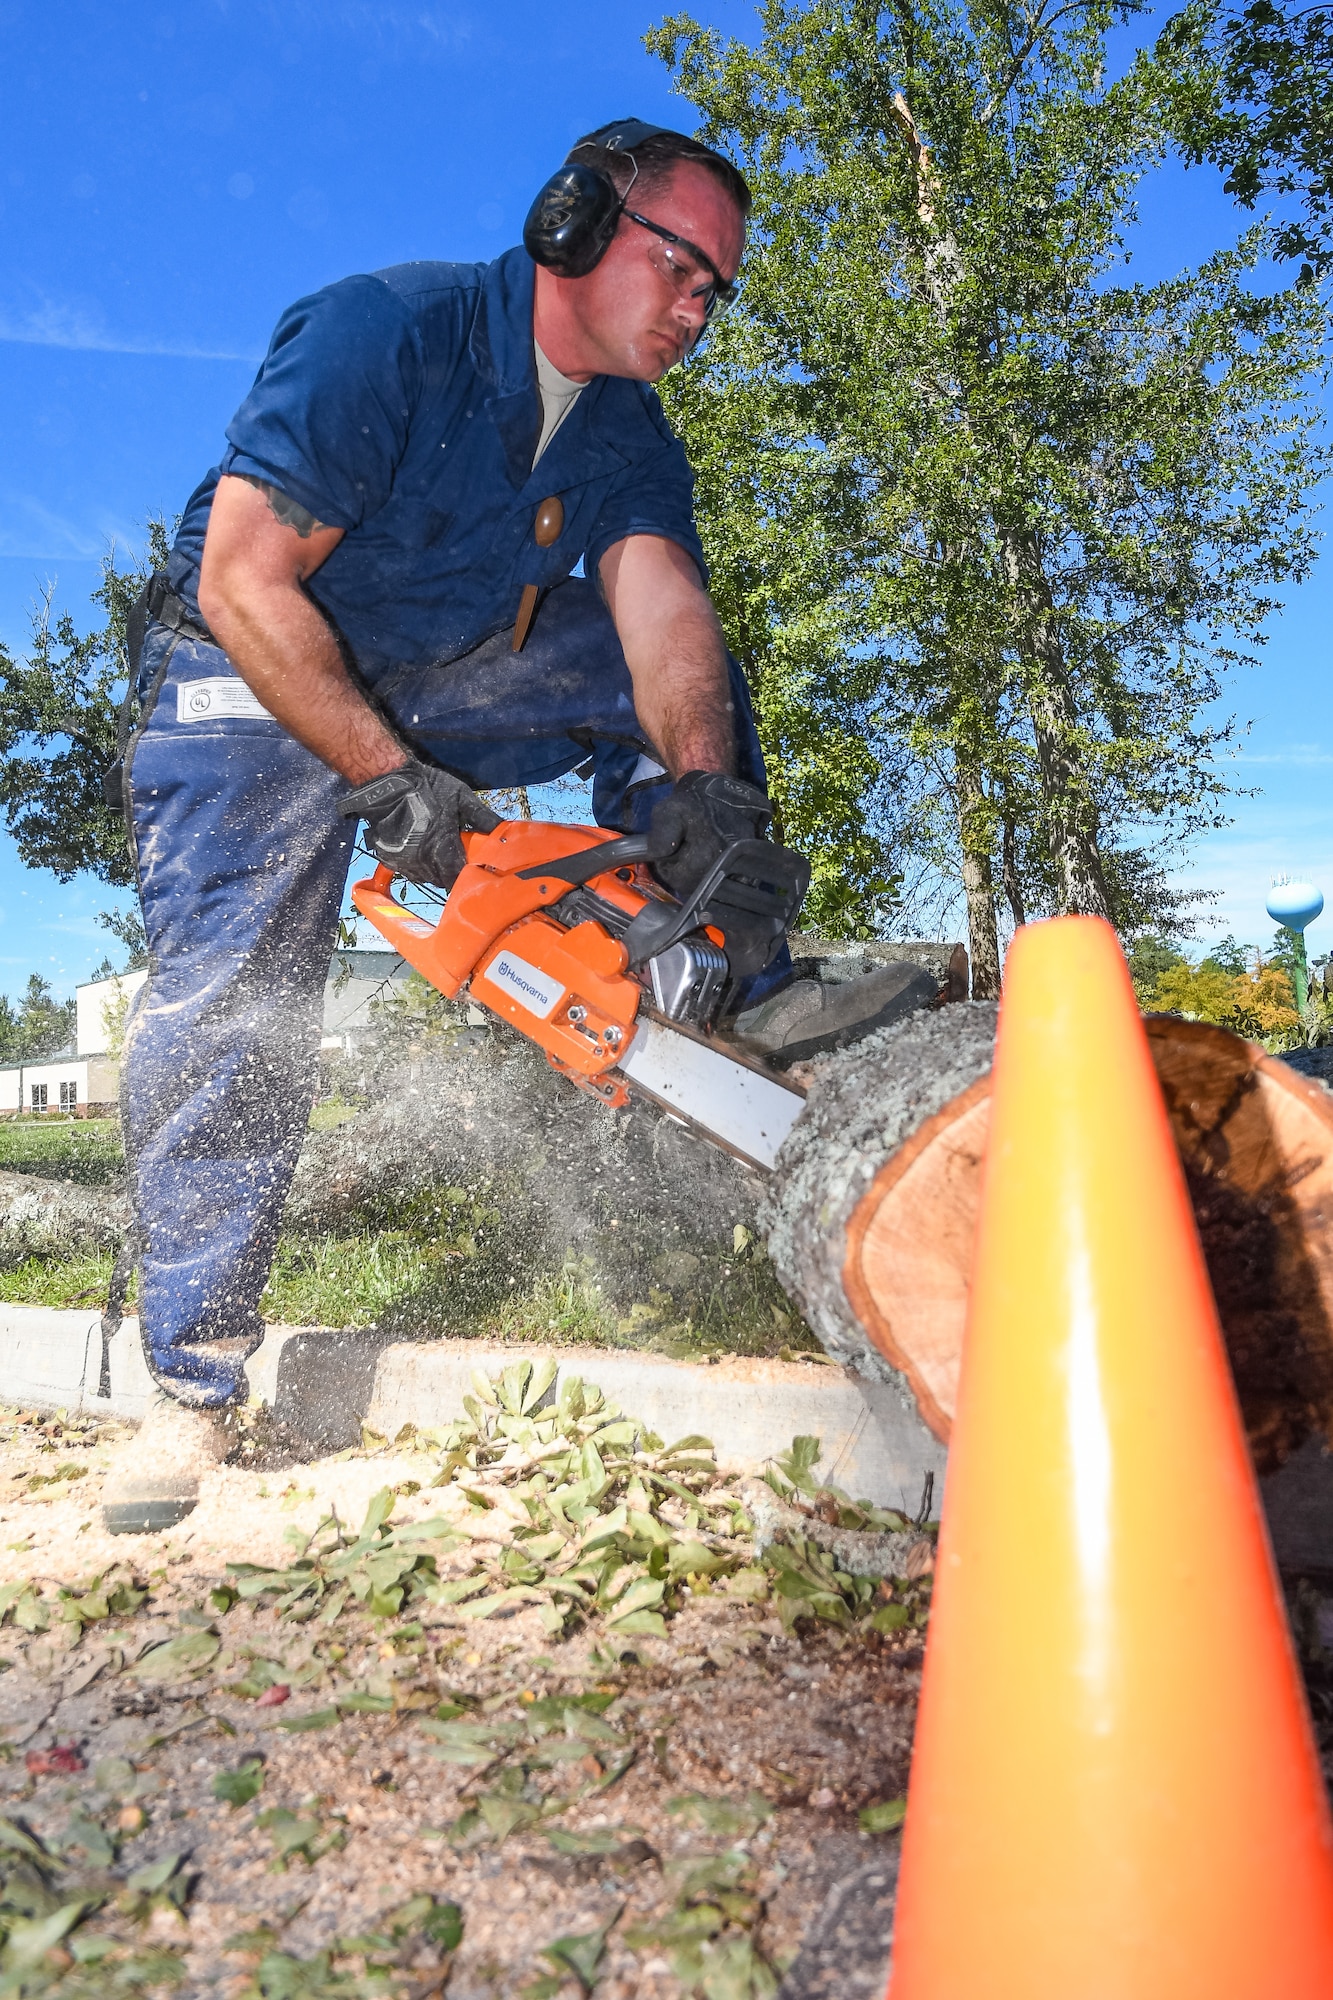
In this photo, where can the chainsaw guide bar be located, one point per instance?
(539, 939)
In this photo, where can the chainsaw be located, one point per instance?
(563, 932)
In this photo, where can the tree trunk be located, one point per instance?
(871, 1214)
(41, 1218)
(1071, 813)
(978, 883)
(1013, 887)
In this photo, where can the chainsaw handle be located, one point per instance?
(581, 867)
(384, 876)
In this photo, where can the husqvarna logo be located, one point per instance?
(523, 982)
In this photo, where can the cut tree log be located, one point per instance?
(871, 1213)
(42, 1218)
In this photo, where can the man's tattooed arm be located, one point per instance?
(290, 512)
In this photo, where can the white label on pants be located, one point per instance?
(201, 701)
(532, 989)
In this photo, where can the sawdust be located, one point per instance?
(751, 1751)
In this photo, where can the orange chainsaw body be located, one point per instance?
(567, 989)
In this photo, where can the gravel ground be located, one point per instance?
(724, 1775)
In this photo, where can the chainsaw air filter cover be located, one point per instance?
(687, 980)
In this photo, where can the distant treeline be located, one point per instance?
(37, 1026)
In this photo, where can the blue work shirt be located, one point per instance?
(403, 408)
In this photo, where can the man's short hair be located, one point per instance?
(656, 158)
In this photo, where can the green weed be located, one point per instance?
(60, 1281)
(87, 1150)
(331, 1112)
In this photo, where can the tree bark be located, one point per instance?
(1013, 887)
(978, 882)
(871, 1214)
(1071, 813)
(41, 1218)
(1071, 816)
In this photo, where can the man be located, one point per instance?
(335, 637)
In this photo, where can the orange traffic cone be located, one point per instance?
(1114, 1793)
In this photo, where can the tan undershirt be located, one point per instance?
(558, 395)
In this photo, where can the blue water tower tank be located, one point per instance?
(1294, 904)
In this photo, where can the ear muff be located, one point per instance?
(572, 221)
(570, 225)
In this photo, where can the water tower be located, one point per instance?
(1295, 905)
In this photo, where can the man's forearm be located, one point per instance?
(288, 657)
(682, 692)
(675, 652)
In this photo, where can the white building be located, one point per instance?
(81, 1082)
(84, 1082)
(357, 979)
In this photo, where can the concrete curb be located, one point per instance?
(875, 1445)
(323, 1383)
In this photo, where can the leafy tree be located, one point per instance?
(790, 570)
(1259, 1003)
(40, 1026)
(59, 715)
(1200, 992)
(1150, 959)
(1282, 952)
(1252, 91)
(126, 926)
(966, 495)
(1228, 956)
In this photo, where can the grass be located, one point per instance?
(64, 1281)
(427, 1285)
(87, 1150)
(446, 1262)
(348, 1280)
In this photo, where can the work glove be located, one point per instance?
(700, 817)
(414, 820)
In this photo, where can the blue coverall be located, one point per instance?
(403, 408)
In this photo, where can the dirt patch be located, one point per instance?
(417, 1760)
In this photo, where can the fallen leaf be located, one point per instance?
(318, 1718)
(179, 1658)
(61, 1760)
(85, 1674)
(273, 1697)
(154, 1876)
(580, 1954)
(884, 1817)
(30, 1939)
(237, 1788)
(726, 1817)
(115, 1776)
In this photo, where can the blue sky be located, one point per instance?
(171, 177)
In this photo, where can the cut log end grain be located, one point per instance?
(871, 1215)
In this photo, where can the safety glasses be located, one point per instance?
(686, 267)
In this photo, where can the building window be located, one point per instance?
(69, 1097)
(39, 1097)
